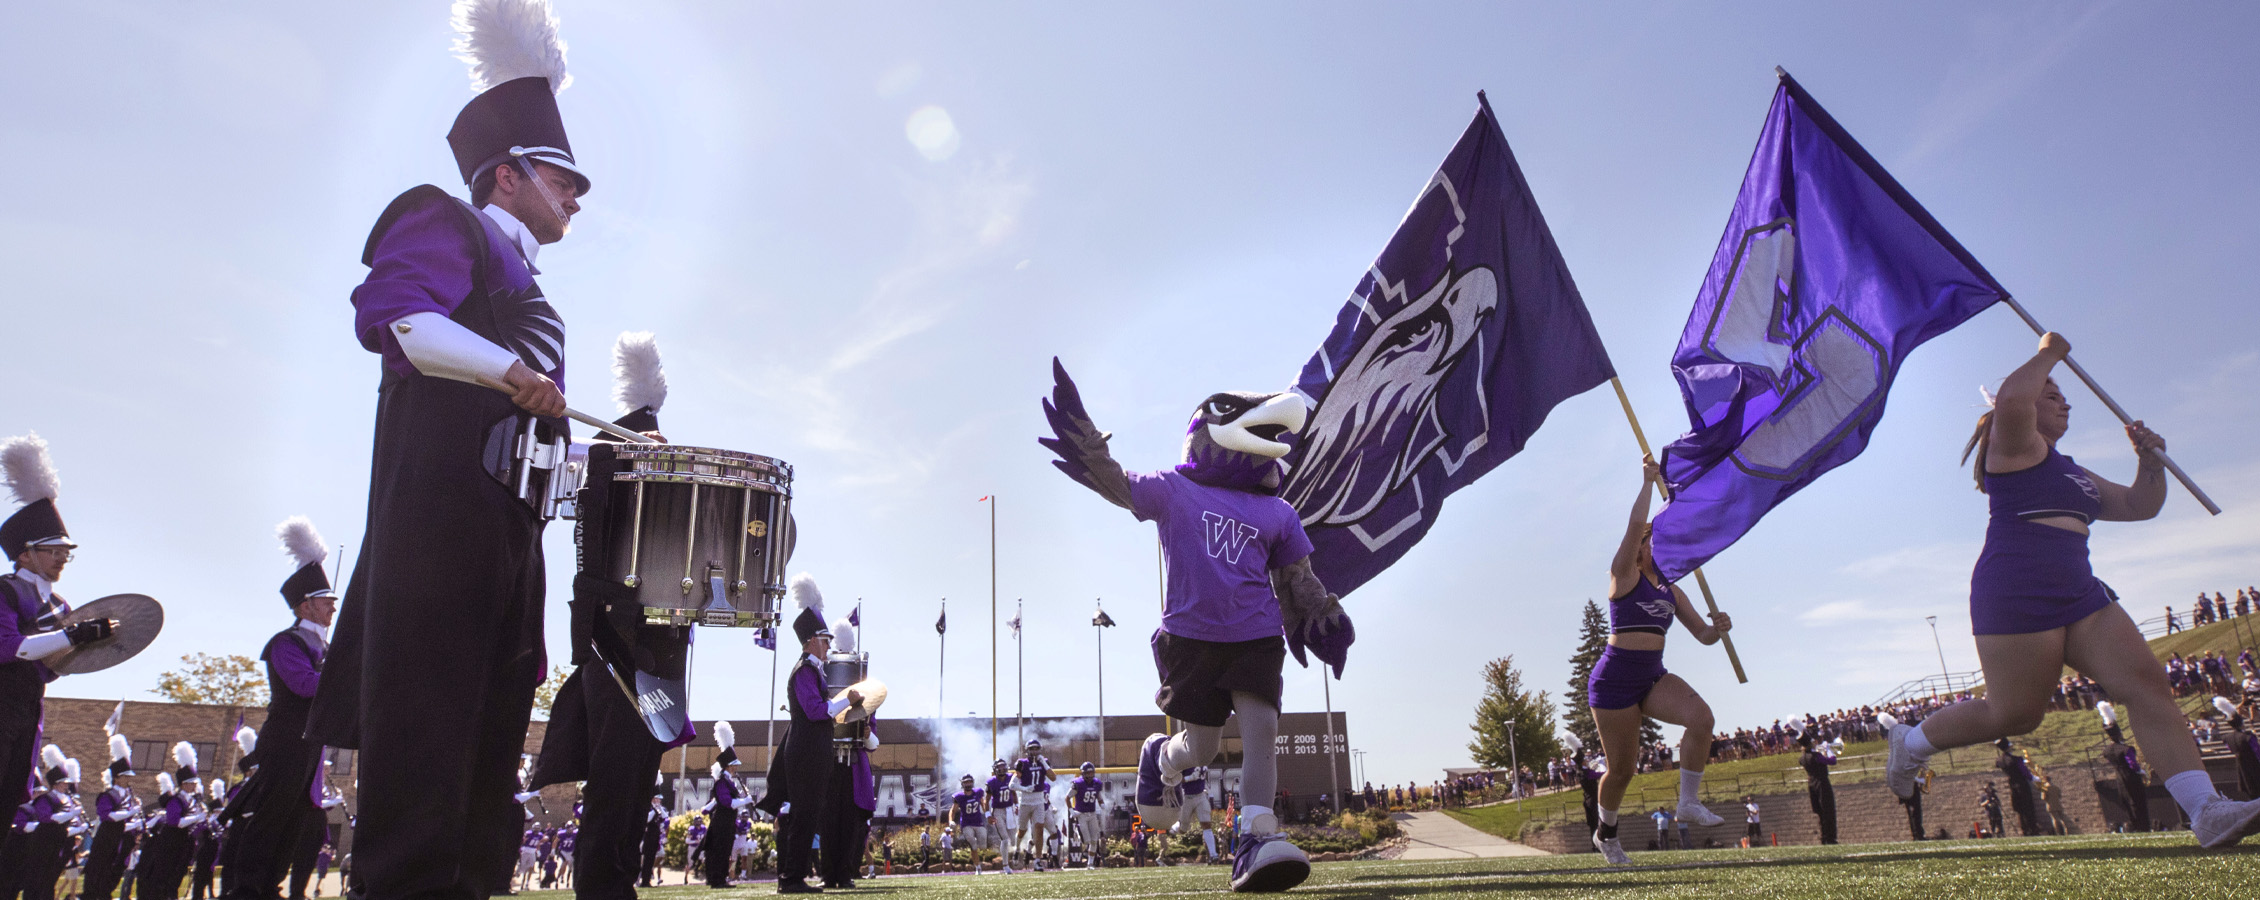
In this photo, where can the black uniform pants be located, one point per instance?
(2020, 800)
(616, 797)
(846, 826)
(653, 843)
(105, 859)
(306, 849)
(721, 836)
(1823, 796)
(267, 841)
(2138, 801)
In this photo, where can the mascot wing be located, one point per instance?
(1080, 444)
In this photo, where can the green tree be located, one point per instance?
(545, 694)
(1508, 709)
(214, 680)
(1592, 638)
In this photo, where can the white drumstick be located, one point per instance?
(607, 427)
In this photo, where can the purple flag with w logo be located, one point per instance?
(1828, 275)
(1461, 337)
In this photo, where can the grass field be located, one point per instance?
(2021, 868)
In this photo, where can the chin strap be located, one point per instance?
(564, 225)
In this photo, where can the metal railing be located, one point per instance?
(1933, 685)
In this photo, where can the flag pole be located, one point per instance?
(1701, 583)
(2113, 405)
(993, 754)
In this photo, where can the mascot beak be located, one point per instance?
(1259, 431)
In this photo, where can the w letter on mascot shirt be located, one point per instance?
(1227, 537)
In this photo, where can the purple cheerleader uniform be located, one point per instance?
(2033, 577)
(1623, 677)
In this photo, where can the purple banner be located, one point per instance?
(1828, 275)
(1463, 335)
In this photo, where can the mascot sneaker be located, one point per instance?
(1901, 767)
(1697, 814)
(1263, 864)
(1611, 850)
(1157, 792)
(2223, 822)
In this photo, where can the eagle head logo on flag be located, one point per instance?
(1459, 339)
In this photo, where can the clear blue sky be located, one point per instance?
(1174, 199)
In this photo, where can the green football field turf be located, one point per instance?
(2164, 865)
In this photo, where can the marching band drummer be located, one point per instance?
(276, 802)
(438, 650)
(595, 735)
(30, 610)
(854, 793)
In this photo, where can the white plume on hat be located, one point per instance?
(2222, 703)
(843, 636)
(29, 472)
(120, 748)
(50, 757)
(70, 771)
(184, 753)
(505, 40)
(1570, 738)
(637, 380)
(165, 783)
(245, 739)
(725, 736)
(1887, 720)
(301, 541)
(1795, 724)
(2110, 716)
(805, 595)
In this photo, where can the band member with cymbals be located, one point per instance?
(854, 792)
(30, 611)
(595, 734)
(277, 803)
(802, 768)
(438, 646)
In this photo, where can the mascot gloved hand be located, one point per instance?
(1240, 594)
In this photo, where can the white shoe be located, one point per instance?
(1695, 813)
(1901, 766)
(1611, 850)
(2223, 822)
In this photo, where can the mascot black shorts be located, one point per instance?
(1198, 677)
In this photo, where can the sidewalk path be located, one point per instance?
(1434, 835)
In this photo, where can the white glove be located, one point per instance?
(871, 741)
(60, 817)
(741, 803)
(121, 815)
(189, 820)
(332, 802)
(134, 825)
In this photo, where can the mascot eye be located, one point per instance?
(1222, 407)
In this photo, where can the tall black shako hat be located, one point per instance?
(304, 544)
(121, 757)
(517, 65)
(810, 622)
(725, 737)
(639, 386)
(31, 477)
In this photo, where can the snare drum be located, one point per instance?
(701, 535)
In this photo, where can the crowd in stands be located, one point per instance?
(2216, 608)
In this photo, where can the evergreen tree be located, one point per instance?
(1505, 701)
(1592, 638)
(1577, 718)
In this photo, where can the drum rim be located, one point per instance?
(781, 489)
(641, 451)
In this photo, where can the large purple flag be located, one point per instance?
(1463, 335)
(1828, 275)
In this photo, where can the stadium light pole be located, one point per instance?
(1948, 684)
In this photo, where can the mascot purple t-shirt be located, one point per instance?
(1221, 545)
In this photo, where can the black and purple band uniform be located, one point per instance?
(1623, 677)
(2033, 577)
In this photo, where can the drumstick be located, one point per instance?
(607, 427)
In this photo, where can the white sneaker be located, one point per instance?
(1611, 850)
(1901, 766)
(2223, 822)
(1696, 814)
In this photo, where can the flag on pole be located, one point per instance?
(1102, 620)
(1015, 623)
(855, 616)
(1828, 275)
(765, 638)
(111, 725)
(1461, 337)
(942, 622)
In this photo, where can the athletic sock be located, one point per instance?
(1208, 839)
(2192, 789)
(1689, 784)
(1608, 829)
(1919, 746)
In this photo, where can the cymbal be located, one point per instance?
(874, 694)
(138, 619)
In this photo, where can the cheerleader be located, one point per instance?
(2036, 606)
(1629, 683)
